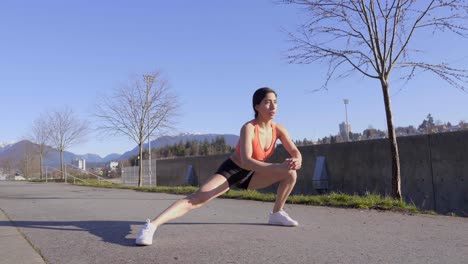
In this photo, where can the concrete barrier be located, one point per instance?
(449, 160)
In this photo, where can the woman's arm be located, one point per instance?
(295, 161)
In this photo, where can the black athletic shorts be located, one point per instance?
(235, 175)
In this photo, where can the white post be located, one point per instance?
(149, 155)
(155, 170)
(346, 101)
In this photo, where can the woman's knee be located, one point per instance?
(198, 199)
(291, 176)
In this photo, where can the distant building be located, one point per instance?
(345, 132)
(19, 178)
(113, 165)
(80, 164)
(454, 128)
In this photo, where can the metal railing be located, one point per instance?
(99, 178)
(75, 179)
(65, 174)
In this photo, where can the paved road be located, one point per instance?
(74, 225)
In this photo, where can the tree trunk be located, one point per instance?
(26, 172)
(140, 166)
(41, 167)
(396, 177)
(62, 167)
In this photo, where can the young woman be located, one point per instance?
(245, 169)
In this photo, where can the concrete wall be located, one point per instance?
(434, 169)
(449, 155)
(172, 172)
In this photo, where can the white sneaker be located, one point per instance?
(145, 237)
(281, 218)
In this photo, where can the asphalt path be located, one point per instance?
(74, 225)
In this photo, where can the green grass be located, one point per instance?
(49, 180)
(367, 201)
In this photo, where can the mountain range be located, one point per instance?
(5, 145)
(16, 151)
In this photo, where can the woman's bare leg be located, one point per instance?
(286, 184)
(284, 189)
(214, 187)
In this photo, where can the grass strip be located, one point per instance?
(333, 199)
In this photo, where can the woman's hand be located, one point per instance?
(293, 163)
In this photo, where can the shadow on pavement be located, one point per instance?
(114, 232)
(211, 223)
(22, 197)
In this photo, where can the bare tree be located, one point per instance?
(7, 166)
(372, 38)
(26, 164)
(144, 108)
(64, 131)
(40, 136)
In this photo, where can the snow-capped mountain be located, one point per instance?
(5, 145)
(15, 151)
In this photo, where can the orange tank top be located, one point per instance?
(258, 153)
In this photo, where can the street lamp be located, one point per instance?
(149, 79)
(346, 102)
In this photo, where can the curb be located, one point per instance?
(14, 246)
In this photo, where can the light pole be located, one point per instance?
(149, 79)
(346, 102)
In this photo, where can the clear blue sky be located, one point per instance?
(214, 54)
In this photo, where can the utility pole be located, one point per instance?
(149, 79)
(346, 102)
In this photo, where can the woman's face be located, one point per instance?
(267, 107)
